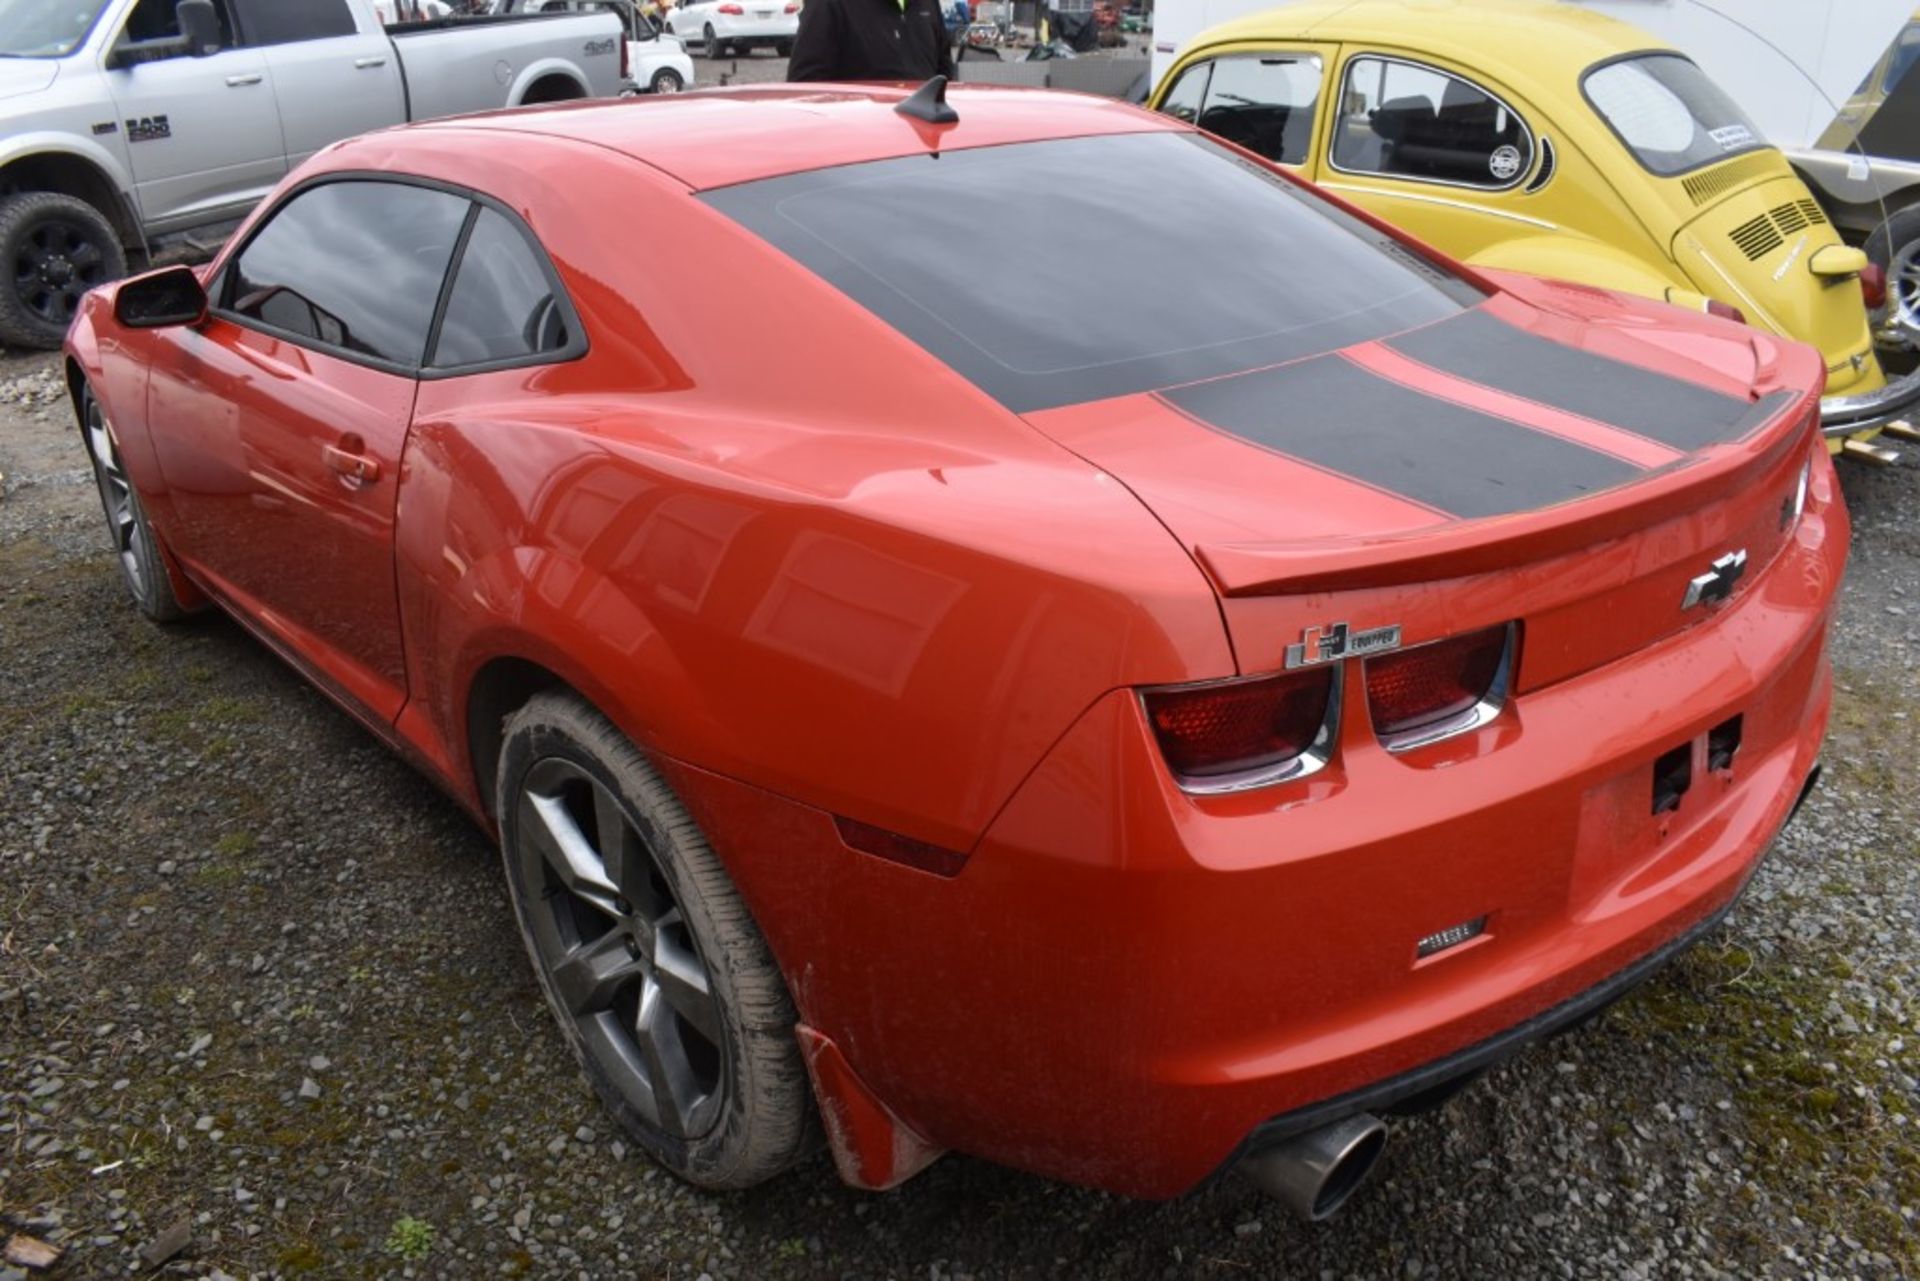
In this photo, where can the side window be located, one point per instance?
(279, 22)
(1264, 103)
(1409, 121)
(159, 20)
(352, 265)
(504, 304)
(1183, 100)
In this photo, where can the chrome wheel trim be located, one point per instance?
(116, 495)
(1903, 294)
(616, 949)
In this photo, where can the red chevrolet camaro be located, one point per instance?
(1036, 634)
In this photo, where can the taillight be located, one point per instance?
(1726, 311)
(732, 10)
(792, 8)
(1226, 735)
(626, 60)
(1873, 285)
(1420, 695)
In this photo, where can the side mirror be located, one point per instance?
(199, 27)
(169, 296)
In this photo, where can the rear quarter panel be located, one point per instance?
(773, 541)
(458, 68)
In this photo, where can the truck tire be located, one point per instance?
(1895, 245)
(54, 248)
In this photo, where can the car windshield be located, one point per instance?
(1669, 115)
(45, 28)
(1051, 273)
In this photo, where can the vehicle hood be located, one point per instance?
(1494, 433)
(26, 75)
(1752, 249)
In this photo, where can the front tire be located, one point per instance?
(54, 248)
(142, 567)
(666, 80)
(1895, 245)
(663, 986)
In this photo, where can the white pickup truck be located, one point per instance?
(128, 125)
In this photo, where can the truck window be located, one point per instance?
(1404, 120)
(1263, 102)
(505, 304)
(356, 266)
(285, 21)
(158, 20)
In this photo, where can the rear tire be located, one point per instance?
(142, 566)
(663, 986)
(713, 47)
(784, 48)
(53, 248)
(1895, 245)
(665, 80)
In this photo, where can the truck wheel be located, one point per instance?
(55, 248)
(1895, 245)
(712, 49)
(666, 80)
(663, 986)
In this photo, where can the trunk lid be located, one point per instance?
(1752, 248)
(1511, 463)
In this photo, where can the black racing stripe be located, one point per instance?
(1330, 412)
(1484, 349)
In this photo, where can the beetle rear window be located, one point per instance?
(1670, 116)
(1051, 273)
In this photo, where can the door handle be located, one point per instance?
(356, 469)
(375, 61)
(245, 78)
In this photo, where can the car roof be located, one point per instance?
(719, 137)
(1521, 41)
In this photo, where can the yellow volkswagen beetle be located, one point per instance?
(1531, 136)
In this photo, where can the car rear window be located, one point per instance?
(1051, 273)
(1670, 116)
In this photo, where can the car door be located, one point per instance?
(330, 79)
(203, 133)
(286, 415)
(1434, 150)
(1266, 100)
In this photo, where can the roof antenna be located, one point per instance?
(929, 103)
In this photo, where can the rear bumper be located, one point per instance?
(1124, 982)
(754, 30)
(1851, 415)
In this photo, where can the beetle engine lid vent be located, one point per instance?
(1709, 184)
(1758, 237)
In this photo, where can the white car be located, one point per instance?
(656, 61)
(720, 27)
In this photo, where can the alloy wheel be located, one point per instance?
(53, 267)
(1903, 295)
(616, 946)
(116, 494)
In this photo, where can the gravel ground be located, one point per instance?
(263, 1013)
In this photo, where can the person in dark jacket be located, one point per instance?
(871, 40)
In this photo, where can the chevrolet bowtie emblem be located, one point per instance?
(1717, 583)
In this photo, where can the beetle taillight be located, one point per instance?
(1225, 735)
(1873, 285)
(1418, 695)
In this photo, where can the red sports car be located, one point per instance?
(1034, 633)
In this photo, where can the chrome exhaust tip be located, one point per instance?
(1313, 1174)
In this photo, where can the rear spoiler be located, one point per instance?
(1501, 542)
